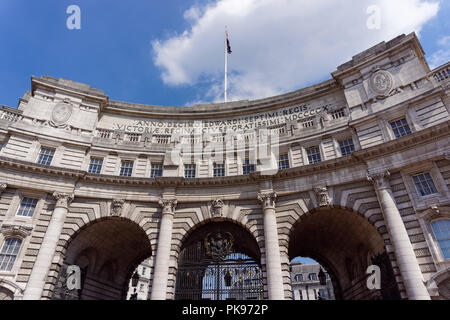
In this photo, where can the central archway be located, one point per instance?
(345, 244)
(107, 251)
(219, 261)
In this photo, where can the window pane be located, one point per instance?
(157, 170)
(400, 128)
(347, 147)
(219, 169)
(9, 252)
(441, 229)
(424, 184)
(46, 156)
(27, 206)
(313, 155)
(189, 170)
(283, 161)
(95, 166)
(126, 168)
(247, 167)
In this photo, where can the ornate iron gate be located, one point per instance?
(212, 270)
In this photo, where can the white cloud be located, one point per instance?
(278, 45)
(441, 56)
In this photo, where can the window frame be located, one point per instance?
(246, 164)
(153, 170)
(341, 141)
(419, 191)
(122, 161)
(17, 255)
(391, 122)
(22, 198)
(52, 156)
(193, 168)
(435, 238)
(319, 154)
(90, 164)
(215, 170)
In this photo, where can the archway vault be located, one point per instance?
(345, 243)
(219, 260)
(107, 251)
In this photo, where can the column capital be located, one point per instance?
(63, 200)
(267, 199)
(380, 180)
(3, 187)
(168, 205)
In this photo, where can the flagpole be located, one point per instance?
(226, 68)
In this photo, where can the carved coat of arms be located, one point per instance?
(218, 246)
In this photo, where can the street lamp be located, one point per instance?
(134, 283)
(322, 277)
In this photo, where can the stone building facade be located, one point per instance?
(353, 171)
(306, 284)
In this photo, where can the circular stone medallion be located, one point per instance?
(61, 113)
(381, 82)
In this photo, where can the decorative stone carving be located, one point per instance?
(267, 199)
(10, 230)
(168, 205)
(61, 114)
(381, 82)
(117, 207)
(3, 187)
(323, 199)
(380, 180)
(217, 208)
(63, 200)
(218, 246)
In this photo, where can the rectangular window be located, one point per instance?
(400, 128)
(347, 147)
(95, 166)
(313, 154)
(247, 167)
(27, 206)
(157, 170)
(219, 169)
(338, 114)
(9, 252)
(189, 170)
(283, 161)
(126, 168)
(424, 184)
(46, 156)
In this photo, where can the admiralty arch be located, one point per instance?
(352, 172)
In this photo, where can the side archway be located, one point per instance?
(345, 243)
(107, 251)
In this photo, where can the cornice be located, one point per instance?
(357, 158)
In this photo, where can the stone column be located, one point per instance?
(404, 252)
(273, 259)
(44, 259)
(161, 271)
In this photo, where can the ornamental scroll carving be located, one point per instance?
(267, 199)
(168, 205)
(380, 180)
(63, 200)
(381, 82)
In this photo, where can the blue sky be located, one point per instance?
(171, 52)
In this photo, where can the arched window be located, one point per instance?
(312, 276)
(9, 252)
(298, 277)
(441, 229)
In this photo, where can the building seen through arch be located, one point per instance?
(108, 200)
